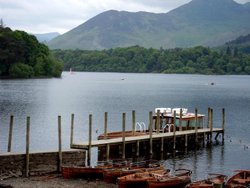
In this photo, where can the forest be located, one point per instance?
(22, 56)
(136, 59)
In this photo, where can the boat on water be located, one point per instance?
(179, 179)
(139, 180)
(239, 180)
(213, 181)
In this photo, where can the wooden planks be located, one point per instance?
(96, 143)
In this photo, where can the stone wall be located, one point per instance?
(13, 165)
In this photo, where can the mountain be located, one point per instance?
(200, 22)
(46, 37)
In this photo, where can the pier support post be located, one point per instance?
(150, 133)
(107, 151)
(180, 120)
(211, 125)
(133, 122)
(27, 147)
(90, 140)
(223, 123)
(72, 129)
(158, 122)
(123, 134)
(105, 125)
(137, 148)
(59, 144)
(174, 146)
(10, 132)
(186, 140)
(196, 125)
(162, 144)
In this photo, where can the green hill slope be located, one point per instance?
(200, 22)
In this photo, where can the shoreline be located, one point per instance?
(53, 181)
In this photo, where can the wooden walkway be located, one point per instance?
(132, 139)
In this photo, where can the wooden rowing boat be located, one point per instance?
(179, 179)
(240, 180)
(110, 175)
(69, 172)
(214, 181)
(139, 180)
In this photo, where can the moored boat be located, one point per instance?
(69, 172)
(177, 180)
(110, 175)
(213, 181)
(240, 180)
(139, 180)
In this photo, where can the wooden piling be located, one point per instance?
(107, 151)
(223, 123)
(174, 146)
(211, 125)
(158, 122)
(186, 140)
(162, 144)
(10, 132)
(196, 125)
(105, 125)
(150, 133)
(208, 117)
(90, 140)
(133, 122)
(71, 129)
(180, 120)
(123, 134)
(27, 147)
(59, 144)
(137, 148)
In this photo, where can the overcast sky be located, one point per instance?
(41, 16)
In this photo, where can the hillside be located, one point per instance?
(241, 44)
(200, 22)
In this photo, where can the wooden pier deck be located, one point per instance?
(131, 139)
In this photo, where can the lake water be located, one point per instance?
(95, 93)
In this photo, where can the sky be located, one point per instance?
(43, 16)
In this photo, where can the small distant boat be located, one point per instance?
(240, 180)
(179, 179)
(214, 181)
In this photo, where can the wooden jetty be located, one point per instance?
(178, 129)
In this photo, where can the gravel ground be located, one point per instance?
(52, 181)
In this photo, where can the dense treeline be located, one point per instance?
(198, 60)
(22, 56)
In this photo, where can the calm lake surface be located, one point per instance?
(95, 93)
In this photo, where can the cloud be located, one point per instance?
(42, 16)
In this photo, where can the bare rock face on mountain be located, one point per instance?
(200, 22)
